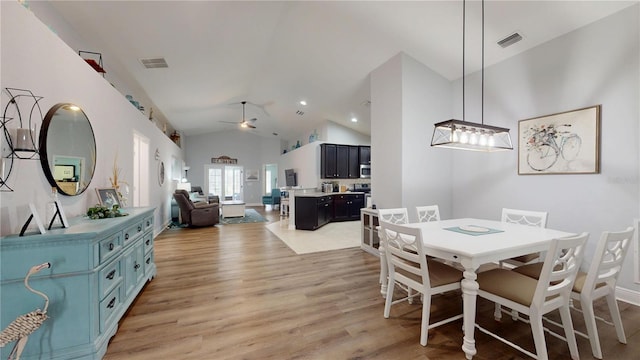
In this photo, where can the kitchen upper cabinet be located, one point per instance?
(365, 155)
(354, 162)
(339, 161)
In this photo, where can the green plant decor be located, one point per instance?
(103, 212)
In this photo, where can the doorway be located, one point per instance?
(225, 181)
(270, 178)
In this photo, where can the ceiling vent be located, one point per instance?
(366, 103)
(510, 40)
(300, 112)
(154, 63)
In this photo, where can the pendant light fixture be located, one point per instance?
(464, 135)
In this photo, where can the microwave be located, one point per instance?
(365, 171)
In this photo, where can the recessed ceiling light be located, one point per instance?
(353, 119)
(303, 103)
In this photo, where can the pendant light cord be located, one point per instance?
(464, 7)
(482, 81)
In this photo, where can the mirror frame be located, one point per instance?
(44, 158)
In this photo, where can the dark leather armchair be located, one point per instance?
(198, 214)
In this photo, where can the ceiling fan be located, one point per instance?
(244, 123)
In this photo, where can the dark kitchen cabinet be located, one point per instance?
(329, 161)
(339, 161)
(313, 212)
(365, 155)
(347, 206)
(354, 162)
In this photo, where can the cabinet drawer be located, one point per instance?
(133, 232)
(148, 242)
(148, 223)
(109, 309)
(148, 263)
(110, 246)
(109, 278)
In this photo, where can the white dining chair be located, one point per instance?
(428, 213)
(537, 297)
(395, 216)
(409, 266)
(598, 282)
(523, 217)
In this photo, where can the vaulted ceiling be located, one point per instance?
(274, 54)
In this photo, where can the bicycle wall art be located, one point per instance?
(563, 143)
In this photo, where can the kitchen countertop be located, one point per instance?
(321, 194)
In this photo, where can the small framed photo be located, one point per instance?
(252, 175)
(563, 143)
(108, 197)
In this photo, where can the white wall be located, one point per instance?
(407, 98)
(252, 152)
(598, 64)
(35, 58)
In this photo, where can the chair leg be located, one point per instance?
(567, 324)
(592, 329)
(426, 311)
(538, 336)
(389, 298)
(497, 312)
(615, 317)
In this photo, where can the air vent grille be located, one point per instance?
(154, 63)
(299, 112)
(510, 40)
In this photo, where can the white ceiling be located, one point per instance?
(274, 53)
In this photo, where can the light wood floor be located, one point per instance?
(237, 292)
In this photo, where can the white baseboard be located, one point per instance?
(628, 296)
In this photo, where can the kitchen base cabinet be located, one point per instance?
(98, 267)
(313, 212)
(347, 206)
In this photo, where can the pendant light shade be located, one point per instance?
(464, 135)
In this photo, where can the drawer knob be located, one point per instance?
(111, 274)
(148, 241)
(148, 261)
(148, 222)
(136, 266)
(139, 228)
(111, 246)
(126, 236)
(112, 303)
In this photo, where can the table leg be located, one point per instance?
(469, 295)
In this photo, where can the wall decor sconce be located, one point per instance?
(19, 120)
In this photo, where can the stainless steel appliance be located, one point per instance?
(364, 187)
(365, 171)
(327, 187)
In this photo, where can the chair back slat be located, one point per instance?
(394, 216)
(428, 213)
(405, 253)
(560, 268)
(525, 217)
(608, 258)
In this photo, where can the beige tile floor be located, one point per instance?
(332, 236)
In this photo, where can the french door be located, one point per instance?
(226, 181)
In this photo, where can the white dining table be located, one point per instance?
(488, 242)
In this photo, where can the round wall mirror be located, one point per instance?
(67, 149)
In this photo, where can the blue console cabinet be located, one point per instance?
(98, 267)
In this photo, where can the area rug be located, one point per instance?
(250, 216)
(333, 236)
